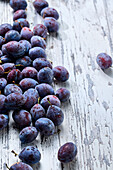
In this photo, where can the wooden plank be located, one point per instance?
(85, 31)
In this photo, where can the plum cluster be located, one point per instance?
(26, 78)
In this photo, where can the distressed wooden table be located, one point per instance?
(86, 29)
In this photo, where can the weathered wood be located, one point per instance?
(86, 29)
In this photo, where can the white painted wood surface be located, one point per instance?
(86, 29)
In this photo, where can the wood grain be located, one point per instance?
(86, 29)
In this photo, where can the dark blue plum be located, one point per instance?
(39, 5)
(61, 73)
(31, 96)
(14, 76)
(30, 155)
(24, 62)
(3, 121)
(29, 72)
(37, 41)
(14, 49)
(40, 30)
(5, 28)
(51, 24)
(12, 88)
(2, 70)
(18, 4)
(26, 44)
(49, 12)
(19, 14)
(50, 100)
(5, 59)
(2, 41)
(22, 118)
(27, 83)
(3, 83)
(44, 90)
(45, 75)
(8, 66)
(63, 94)
(2, 101)
(45, 126)
(14, 101)
(55, 114)
(20, 23)
(1, 53)
(28, 134)
(26, 33)
(37, 111)
(12, 35)
(104, 61)
(67, 152)
(20, 166)
(37, 52)
(40, 63)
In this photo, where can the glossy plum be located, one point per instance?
(3, 121)
(37, 111)
(29, 72)
(1, 53)
(5, 28)
(31, 96)
(14, 76)
(14, 101)
(19, 14)
(45, 75)
(39, 5)
(55, 114)
(37, 41)
(44, 89)
(26, 33)
(49, 12)
(24, 61)
(8, 66)
(20, 166)
(104, 61)
(30, 155)
(40, 63)
(63, 94)
(5, 59)
(12, 35)
(40, 30)
(61, 73)
(12, 88)
(20, 23)
(45, 102)
(3, 83)
(67, 152)
(37, 52)
(2, 101)
(2, 41)
(14, 49)
(26, 44)
(22, 118)
(27, 83)
(1, 70)
(18, 4)
(28, 134)
(51, 24)
(45, 126)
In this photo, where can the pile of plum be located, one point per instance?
(25, 82)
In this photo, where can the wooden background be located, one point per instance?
(86, 29)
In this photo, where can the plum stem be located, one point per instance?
(39, 100)
(7, 166)
(14, 153)
(49, 101)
